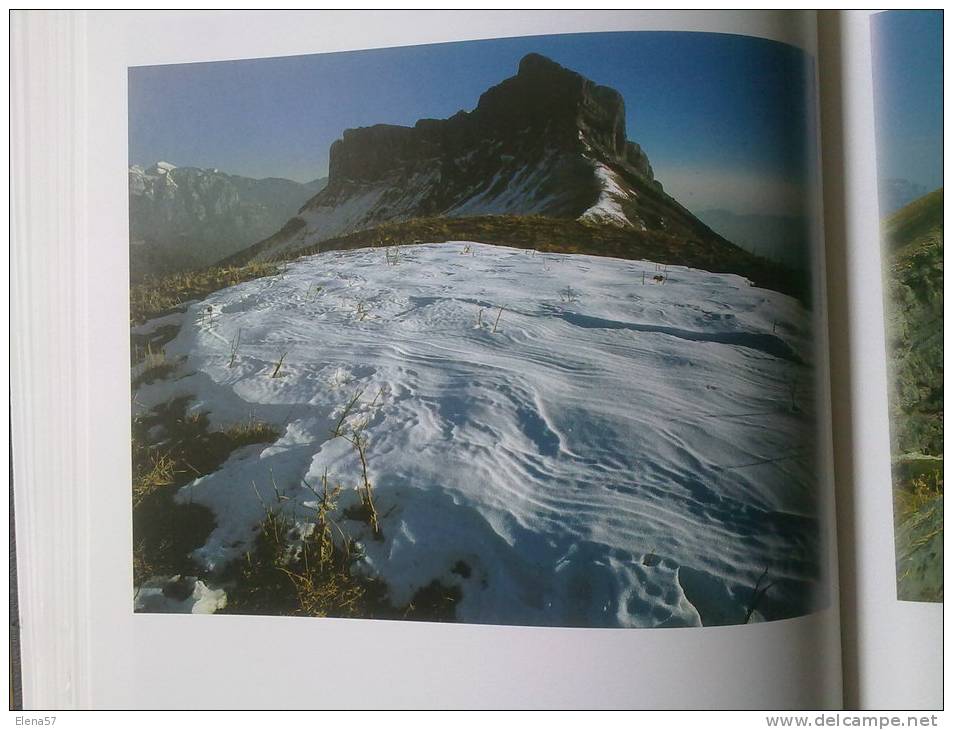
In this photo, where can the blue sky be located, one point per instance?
(908, 92)
(723, 118)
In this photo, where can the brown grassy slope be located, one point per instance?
(158, 295)
(556, 235)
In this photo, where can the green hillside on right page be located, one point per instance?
(913, 241)
(907, 54)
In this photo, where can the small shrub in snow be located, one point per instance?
(792, 393)
(278, 366)
(497, 322)
(757, 594)
(361, 311)
(235, 344)
(348, 409)
(295, 569)
(354, 435)
(368, 512)
(392, 255)
(568, 295)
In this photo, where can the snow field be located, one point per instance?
(615, 453)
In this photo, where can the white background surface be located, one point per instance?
(149, 661)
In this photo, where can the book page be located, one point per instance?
(520, 405)
(888, 328)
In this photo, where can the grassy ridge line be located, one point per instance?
(158, 295)
(553, 235)
(914, 220)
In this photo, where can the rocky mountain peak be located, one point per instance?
(536, 63)
(544, 104)
(545, 97)
(545, 141)
(161, 168)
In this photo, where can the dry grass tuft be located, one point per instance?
(251, 432)
(161, 471)
(159, 295)
(154, 367)
(921, 492)
(302, 571)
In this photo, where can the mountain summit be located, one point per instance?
(547, 141)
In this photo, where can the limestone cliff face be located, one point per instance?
(546, 141)
(543, 106)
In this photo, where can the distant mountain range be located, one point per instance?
(187, 217)
(546, 141)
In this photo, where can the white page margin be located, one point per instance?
(897, 645)
(234, 661)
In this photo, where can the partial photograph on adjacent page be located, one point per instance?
(512, 331)
(907, 48)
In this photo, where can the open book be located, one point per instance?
(525, 359)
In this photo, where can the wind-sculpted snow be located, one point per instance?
(571, 440)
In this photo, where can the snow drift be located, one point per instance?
(571, 440)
